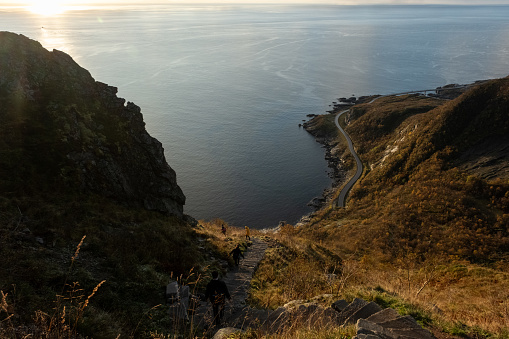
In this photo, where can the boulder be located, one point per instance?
(369, 328)
(224, 333)
(363, 313)
(384, 315)
(353, 307)
(339, 305)
(389, 324)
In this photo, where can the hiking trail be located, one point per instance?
(237, 280)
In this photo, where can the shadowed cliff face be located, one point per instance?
(60, 130)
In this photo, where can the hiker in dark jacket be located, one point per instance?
(217, 293)
(236, 253)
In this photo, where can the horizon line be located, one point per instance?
(110, 4)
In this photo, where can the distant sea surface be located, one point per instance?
(224, 87)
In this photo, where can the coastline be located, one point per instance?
(335, 152)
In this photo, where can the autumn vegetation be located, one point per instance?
(420, 230)
(413, 196)
(425, 231)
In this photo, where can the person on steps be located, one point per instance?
(236, 253)
(217, 293)
(248, 233)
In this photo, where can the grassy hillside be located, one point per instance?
(134, 251)
(411, 197)
(86, 266)
(418, 228)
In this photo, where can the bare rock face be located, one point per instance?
(62, 130)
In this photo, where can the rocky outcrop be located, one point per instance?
(488, 159)
(369, 318)
(73, 133)
(390, 324)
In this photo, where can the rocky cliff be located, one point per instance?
(62, 131)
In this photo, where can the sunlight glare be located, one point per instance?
(47, 7)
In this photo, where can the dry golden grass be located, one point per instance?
(292, 269)
(300, 330)
(456, 297)
(66, 318)
(466, 300)
(211, 231)
(417, 227)
(456, 293)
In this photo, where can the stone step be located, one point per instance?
(363, 313)
(396, 331)
(369, 328)
(400, 322)
(366, 336)
(353, 307)
(415, 333)
(339, 305)
(384, 315)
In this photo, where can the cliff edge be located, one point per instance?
(62, 131)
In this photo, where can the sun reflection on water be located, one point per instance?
(53, 40)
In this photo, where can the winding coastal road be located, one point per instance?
(342, 195)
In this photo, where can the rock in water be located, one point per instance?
(60, 130)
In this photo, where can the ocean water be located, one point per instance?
(224, 87)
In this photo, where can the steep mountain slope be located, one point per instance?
(415, 196)
(63, 131)
(88, 204)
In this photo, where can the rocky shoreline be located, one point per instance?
(334, 158)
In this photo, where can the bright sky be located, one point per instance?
(336, 2)
(51, 7)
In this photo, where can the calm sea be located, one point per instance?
(225, 87)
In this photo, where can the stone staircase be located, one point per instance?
(371, 320)
(237, 281)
